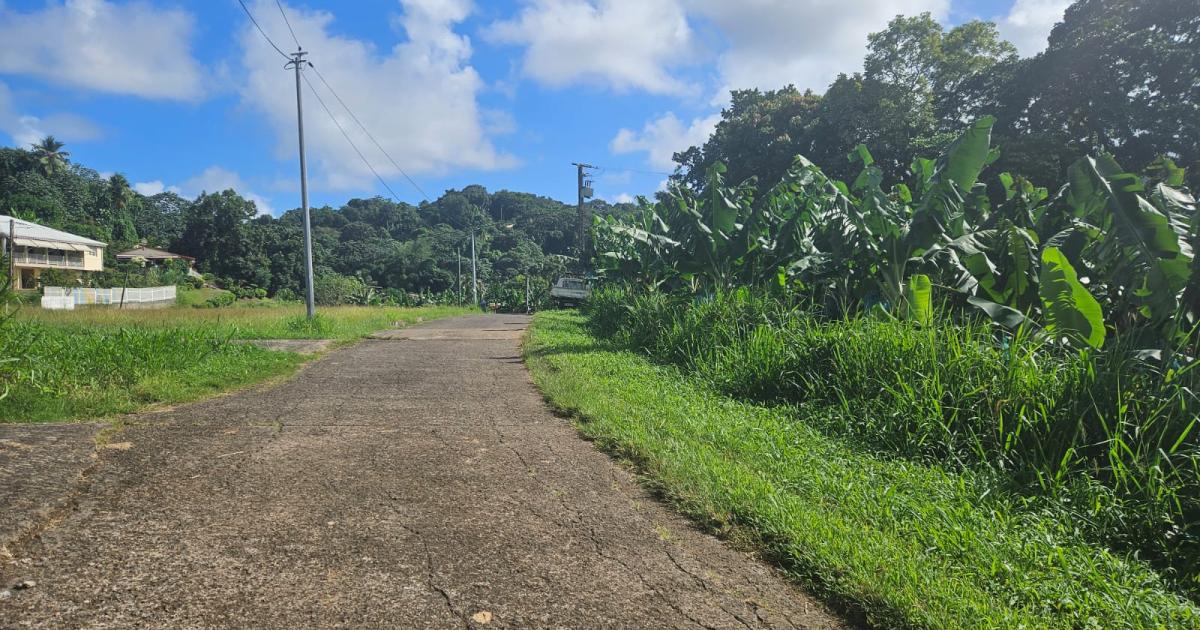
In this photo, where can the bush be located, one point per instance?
(224, 298)
(1107, 438)
(286, 295)
(333, 289)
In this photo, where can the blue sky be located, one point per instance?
(187, 96)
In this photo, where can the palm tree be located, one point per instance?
(119, 192)
(50, 155)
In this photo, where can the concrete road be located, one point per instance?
(416, 480)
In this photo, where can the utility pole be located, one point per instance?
(474, 277)
(528, 306)
(581, 229)
(298, 62)
(459, 276)
(12, 252)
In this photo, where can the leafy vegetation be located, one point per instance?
(1081, 392)
(62, 365)
(368, 251)
(1118, 76)
(911, 544)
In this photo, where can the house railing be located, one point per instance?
(62, 259)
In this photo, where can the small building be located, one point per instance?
(159, 257)
(36, 248)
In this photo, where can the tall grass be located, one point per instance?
(62, 365)
(1106, 439)
(283, 322)
(58, 373)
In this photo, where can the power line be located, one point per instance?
(633, 170)
(364, 130)
(347, 137)
(289, 25)
(262, 32)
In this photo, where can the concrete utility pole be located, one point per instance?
(12, 252)
(581, 229)
(474, 277)
(458, 278)
(298, 62)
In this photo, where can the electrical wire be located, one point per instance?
(289, 25)
(345, 135)
(346, 107)
(633, 170)
(368, 133)
(262, 32)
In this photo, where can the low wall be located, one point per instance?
(145, 297)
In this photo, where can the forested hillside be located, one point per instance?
(384, 244)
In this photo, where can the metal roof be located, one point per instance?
(151, 253)
(35, 232)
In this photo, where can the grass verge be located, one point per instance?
(910, 545)
(100, 362)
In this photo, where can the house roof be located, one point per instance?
(150, 253)
(40, 235)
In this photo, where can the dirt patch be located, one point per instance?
(417, 484)
(299, 346)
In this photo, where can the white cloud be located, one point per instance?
(155, 187)
(662, 137)
(621, 44)
(132, 48)
(418, 99)
(1029, 23)
(26, 129)
(772, 43)
(216, 179)
(623, 198)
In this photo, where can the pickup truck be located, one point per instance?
(569, 291)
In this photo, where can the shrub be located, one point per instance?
(332, 289)
(1107, 438)
(224, 298)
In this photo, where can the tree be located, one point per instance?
(1118, 76)
(758, 135)
(119, 192)
(217, 233)
(50, 155)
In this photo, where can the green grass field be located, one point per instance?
(92, 363)
(908, 544)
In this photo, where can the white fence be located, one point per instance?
(64, 298)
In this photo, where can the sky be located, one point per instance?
(190, 97)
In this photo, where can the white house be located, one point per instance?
(36, 248)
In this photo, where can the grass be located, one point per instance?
(93, 363)
(284, 322)
(1105, 439)
(908, 544)
(197, 297)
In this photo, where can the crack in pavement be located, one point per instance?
(385, 485)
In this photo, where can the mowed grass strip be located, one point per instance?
(908, 545)
(94, 363)
(274, 322)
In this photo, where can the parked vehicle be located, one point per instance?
(569, 291)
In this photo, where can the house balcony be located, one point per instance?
(50, 259)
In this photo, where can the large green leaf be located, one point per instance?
(919, 298)
(968, 156)
(1068, 307)
(1007, 317)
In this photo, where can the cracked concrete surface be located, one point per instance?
(417, 481)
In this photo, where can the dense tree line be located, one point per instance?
(1119, 77)
(382, 243)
